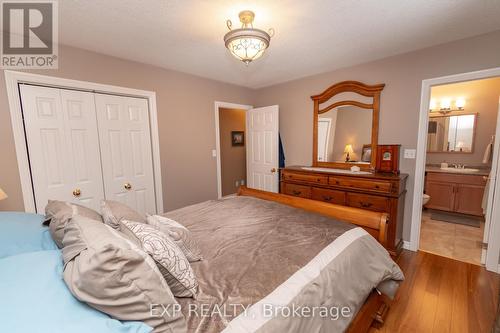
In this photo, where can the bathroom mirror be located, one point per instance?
(453, 132)
(346, 129)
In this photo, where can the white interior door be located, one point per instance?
(323, 138)
(127, 161)
(491, 230)
(63, 147)
(262, 148)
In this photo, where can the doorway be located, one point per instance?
(454, 212)
(230, 122)
(460, 137)
(232, 149)
(259, 141)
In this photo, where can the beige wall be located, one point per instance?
(400, 101)
(185, 115)
(354, 126)
(481, 97)
(233, 159)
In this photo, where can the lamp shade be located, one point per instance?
(348, 149)
(3, 195)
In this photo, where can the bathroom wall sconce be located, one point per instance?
(445, 105)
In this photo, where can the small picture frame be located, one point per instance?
(237, 138)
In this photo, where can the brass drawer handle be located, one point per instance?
(296, 192)
(127, 186)
(327, 198)
(365, 204)
(77, 192)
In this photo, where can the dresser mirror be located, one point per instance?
(452, 132)
(345, 128)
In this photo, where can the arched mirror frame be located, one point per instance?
(355, 87)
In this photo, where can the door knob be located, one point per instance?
(127, 186)
(77, 192)
(273, 170)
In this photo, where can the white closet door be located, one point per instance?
(63, 147)
(127, 161)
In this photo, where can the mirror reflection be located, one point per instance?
(344, 135)
(451, 133)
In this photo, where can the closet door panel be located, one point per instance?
(126, 155)
(82, 138)
(61, 136)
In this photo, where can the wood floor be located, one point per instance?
(442, 295)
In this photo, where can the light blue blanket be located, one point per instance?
(33, 295)
(22, 233)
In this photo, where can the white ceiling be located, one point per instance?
(312, 36)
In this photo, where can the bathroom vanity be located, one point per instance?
(455, 191)
(372, 191)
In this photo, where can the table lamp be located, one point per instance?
(348, 150)
(3, 195)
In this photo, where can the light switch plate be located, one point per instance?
(410, 153)
(214, 153)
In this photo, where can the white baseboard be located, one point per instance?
(407, 245)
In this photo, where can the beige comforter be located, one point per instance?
(272, 268)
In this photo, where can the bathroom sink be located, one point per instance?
(330, 170)
(458, 170)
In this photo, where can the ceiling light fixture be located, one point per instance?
(247, 43)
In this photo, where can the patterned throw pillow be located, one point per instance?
(113, 212)
(172, 263)
(179, 233)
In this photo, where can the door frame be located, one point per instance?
(418, 187)
(225, 105)
(12, 81)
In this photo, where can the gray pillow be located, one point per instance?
(59, 213)
(172, 263)
(179, 234)
(113, 212)
(111, 274)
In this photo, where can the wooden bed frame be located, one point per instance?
(376, 306)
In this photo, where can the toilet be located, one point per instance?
(425, 199)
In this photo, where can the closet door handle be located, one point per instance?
(77, 192)
(127, 186)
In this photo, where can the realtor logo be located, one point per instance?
(29, 34)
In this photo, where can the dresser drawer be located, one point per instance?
(370, 202)
(297, 190)
(379, 186)
(331, 196)
(299, 177)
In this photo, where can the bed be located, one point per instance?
(263, 253)
(268, 253)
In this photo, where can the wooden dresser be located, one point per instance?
(376, 192)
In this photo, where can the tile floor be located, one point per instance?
(451, 240)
